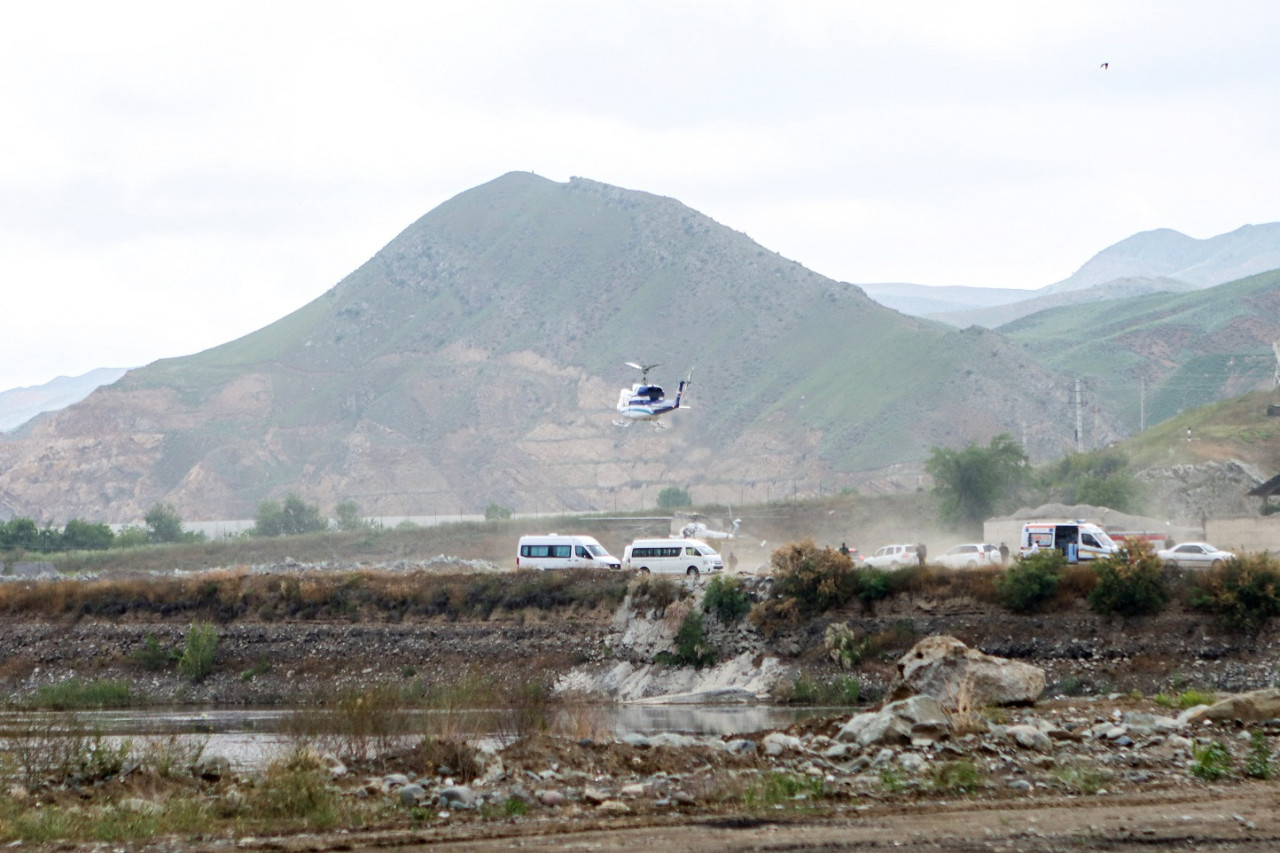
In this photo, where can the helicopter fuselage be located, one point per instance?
(646, 403)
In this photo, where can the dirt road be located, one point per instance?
(1240, 817)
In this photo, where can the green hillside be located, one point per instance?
(1184, 349)
(478, 357)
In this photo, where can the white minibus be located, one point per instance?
(554, 551)
(672, 557)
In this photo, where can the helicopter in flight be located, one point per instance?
(645, 402)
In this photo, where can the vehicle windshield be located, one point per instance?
(597, 550)
(1104, 540)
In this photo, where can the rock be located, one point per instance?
(777, 743)
(595, 796)
(1030, 737)
(911, 762)
(212, 767)
(614, 807)
(637, 740)
(673, 739)
(739, 746)
(954, 674)
(395, 780)
(457, 796)
(634, 790)
(550, 798)
(1256, 706)
(333, 765)
(919, 718)
(411, 794)
(139, 806)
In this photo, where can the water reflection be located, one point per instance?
(250, 737)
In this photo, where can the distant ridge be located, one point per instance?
(19, 405)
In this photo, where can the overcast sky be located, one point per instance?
(175, 175)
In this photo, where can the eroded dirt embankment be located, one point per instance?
(268, 653)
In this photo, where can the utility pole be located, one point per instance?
(1079, 420)
(1142, 407)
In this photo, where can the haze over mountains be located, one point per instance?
(1159, 261)
(478, 356)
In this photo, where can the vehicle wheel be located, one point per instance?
(644, 570)
(693, 572)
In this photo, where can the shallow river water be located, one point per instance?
(250, 737)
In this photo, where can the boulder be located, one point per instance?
(955, 675)
(918, 719)
(1247, 707)
(212, 767)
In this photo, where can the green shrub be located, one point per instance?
(1241, 595)
(961, 777)
(1131, 582)
(1030, 582)
(1211, 762)
(196, 662)
(151, 656)
(691, 643)
(726, 599)
(778, 789)
(1257, 765)
(804, 690)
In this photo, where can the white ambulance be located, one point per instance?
(554, 551)
(1077, 540)
(672, 557)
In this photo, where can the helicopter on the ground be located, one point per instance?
(645, 402)
(699, 530)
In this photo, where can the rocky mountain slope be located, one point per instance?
(478, 356)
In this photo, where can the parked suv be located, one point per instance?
(893, 557)
(970, 556)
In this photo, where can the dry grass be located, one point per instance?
(966, 716)
(227, 595)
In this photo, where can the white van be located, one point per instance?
(1087, 541)
(554, 551)
(672, 557)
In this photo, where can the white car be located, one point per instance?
(1194, 555)
(970, 556)
(892, 557)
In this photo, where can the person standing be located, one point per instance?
(844, 549)
(920, 553)
(1004, 554)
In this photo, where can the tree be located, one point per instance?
(163, 523)
(972, 482)
(497, 512)
(19, 533)
(674, 496)
(83, 536)
(295, 516)
(349, 516)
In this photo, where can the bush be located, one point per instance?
(726, 599)
(1257, 765)
(691, 643)
(817, 579)
(1211, 762)
(674, 496)
(651, 594)
(196, 662)
(844, 646)
(1032, 581)
(1242, 595)
(1130, 582)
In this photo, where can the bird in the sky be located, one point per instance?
(1104, 65)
